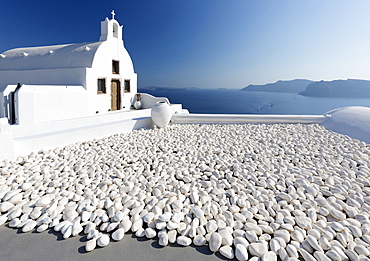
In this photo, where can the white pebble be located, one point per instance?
(30, 225)
(136, 225)
(85, 215)
(362, 250)
(269, 256)
(227, 238)
(215, 242)
(76, 228)
(67, 232)
(172, 236)
(183, 241)
(352, 255)
(314, 244)
(118, 234)
(15, 222)
(163, 239)
(198, 212)
(227, 251)
(337, 214)
(333, 255)
(140, 232)
(89, 226)
(112, 226)
(16, 198)
(150, 232)
(241, 252)
(5, 206)
(274, 244)
(165, 217)
(211, 227)
(90, 245)
(284, 234)
(307, 256)
(126, 225)
(257, 249)
(42, 228)
(42, 202)
(291, 251)
(320, 256)
(199, 240)
(103, 241)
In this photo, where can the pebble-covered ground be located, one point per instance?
(251, 192)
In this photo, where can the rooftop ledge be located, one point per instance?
(247, 118)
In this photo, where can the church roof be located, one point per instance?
(49, 57)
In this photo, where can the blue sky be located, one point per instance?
(209, 43)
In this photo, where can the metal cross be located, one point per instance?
(113, 14)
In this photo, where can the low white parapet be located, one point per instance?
(48, 135)
(245, 118)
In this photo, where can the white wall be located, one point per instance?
(110, 50)
(57, 102)
(37, 104)
(63, 76)
(6, 140)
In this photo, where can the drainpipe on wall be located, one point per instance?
(13, 107)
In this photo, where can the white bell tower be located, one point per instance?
(110, 29)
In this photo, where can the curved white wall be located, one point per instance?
(110, 50)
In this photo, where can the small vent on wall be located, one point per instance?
(2, 55)
(51, 51)
(87, 48)
(25, 54)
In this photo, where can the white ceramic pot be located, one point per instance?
(161, 114)
(137, 105)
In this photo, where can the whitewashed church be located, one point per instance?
(55, 95)
(70, 80)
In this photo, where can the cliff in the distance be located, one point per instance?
(293, 86)
(339, 89)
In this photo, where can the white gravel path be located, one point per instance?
(247, 191)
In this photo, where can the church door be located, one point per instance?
(115, 95)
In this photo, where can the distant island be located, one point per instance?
(339, 88)
(350, 88)
(293, 86)
(156, 88)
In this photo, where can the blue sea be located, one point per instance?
(248, 102)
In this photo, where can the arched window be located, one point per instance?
(115, 30)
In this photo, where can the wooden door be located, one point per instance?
(115, 95)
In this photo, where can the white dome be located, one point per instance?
(50, 57)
